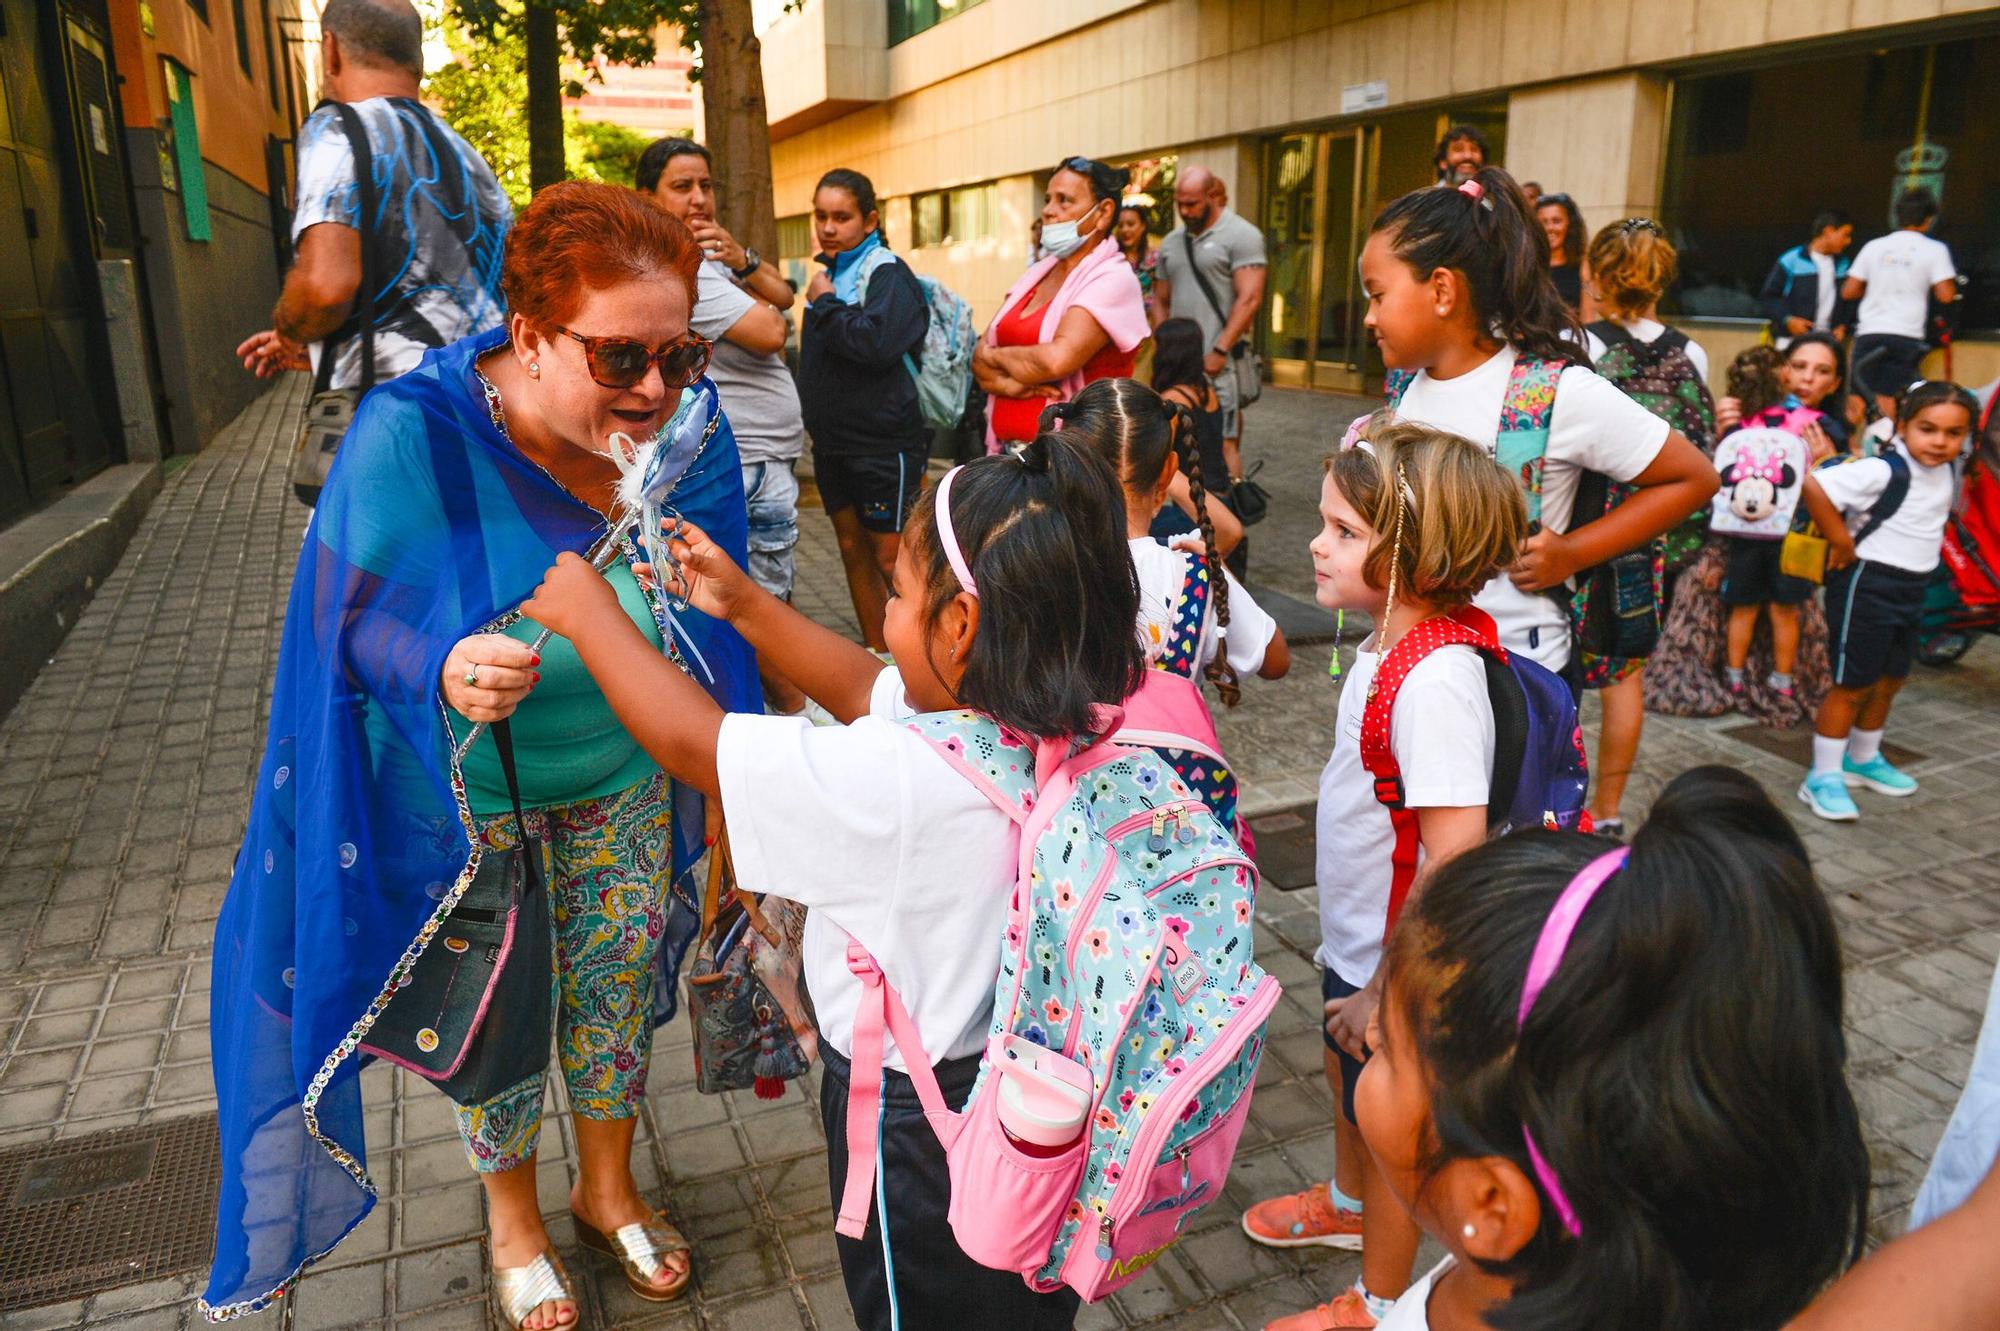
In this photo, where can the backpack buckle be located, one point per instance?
(1389, 791)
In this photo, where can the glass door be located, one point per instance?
(1315, 186)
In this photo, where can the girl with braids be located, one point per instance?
(1192, 625)
(1415, 522)
(1460, 300)
(867, 825)
(1178, 376)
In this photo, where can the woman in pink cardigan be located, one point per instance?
(1074, 317)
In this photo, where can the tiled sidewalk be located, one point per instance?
(124, 780)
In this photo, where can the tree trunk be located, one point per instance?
(732, 93)
(545, 112)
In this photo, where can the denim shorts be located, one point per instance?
(771, 493)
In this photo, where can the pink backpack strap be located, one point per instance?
(1168, 710)
(881, 1009)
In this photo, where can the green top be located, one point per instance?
(568, 744)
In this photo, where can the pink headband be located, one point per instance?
(1548, 955)
(949, 538)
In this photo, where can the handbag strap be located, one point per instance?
(720, 868)
(364, 183)
(503, 740)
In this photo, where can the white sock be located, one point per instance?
(1378, 1307)
(1864, 746)
(1827, 754)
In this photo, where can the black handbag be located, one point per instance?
(1250, 500)
(473, 1013)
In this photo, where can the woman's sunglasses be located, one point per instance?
(621, 362)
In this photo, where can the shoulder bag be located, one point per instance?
(331, 410)
(1245, 364)
(472, 1013)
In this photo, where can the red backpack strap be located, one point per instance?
(1469, 627)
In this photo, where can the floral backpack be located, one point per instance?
(1128, 950)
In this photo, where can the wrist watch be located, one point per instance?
(752, 261)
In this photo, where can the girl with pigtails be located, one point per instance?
(1193, 624)
(1481, 344)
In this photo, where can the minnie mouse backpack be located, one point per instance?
(1763, 467)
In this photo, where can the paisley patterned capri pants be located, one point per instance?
(608, 863)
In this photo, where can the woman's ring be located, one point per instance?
(472, 675)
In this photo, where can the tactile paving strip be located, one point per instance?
(113, 1208)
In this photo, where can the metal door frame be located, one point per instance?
(1344, 375)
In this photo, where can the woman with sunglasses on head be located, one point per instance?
(865, 320)
(457, 485)
(1076, 316)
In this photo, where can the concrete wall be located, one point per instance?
(205, 296)
(1603, 140)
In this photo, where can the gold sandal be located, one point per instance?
(519, 1290)
(638, 1248)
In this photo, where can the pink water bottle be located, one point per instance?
(1044, 1097)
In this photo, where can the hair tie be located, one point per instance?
(1542, 964)
(948, 538)
(1472, 189)
(1354, 438)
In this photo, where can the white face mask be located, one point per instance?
(1060, 239)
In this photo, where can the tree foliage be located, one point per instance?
(481, 94)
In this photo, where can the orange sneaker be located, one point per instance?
(1345, 1311)
(1306, 1219)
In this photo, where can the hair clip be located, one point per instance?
(1472, 189)
(1631, 224)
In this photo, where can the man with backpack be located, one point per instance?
(399, 257)
(739, 306)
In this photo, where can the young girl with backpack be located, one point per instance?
(1897, 506)
(1762, 648)
(1192, 624)
(867, 825)
(1608, 1111)
(1618, 608)
(1460, 301)
(1415, 523)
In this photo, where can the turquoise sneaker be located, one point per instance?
(1825, 793)
(1879, 775)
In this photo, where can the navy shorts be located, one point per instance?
(1331, 986)
(1884, 363)
(881, 488)
(1754, 576)
(1872, 615)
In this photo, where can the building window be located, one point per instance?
(954, 216)
(186, 149)
(1752, 155)
(907, 18)
(242, 35)
(200, 8)
(270, 56)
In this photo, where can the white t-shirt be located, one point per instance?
(1594, 428)
(1900, 270)
(883, 841)
(1909, 540)
(1161, 573)
(1649, 330)
(1441, 732)
(1827, 293)
(1412, 1311)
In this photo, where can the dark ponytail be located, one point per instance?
(1490, 237)
(1682, 1072)
(1042, 529)
(1134, 428)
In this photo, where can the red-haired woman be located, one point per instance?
(456, 487)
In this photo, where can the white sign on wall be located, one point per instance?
(1364, 96)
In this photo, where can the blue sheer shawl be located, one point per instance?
(431, 527)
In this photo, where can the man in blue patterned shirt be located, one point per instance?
(439, 221)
